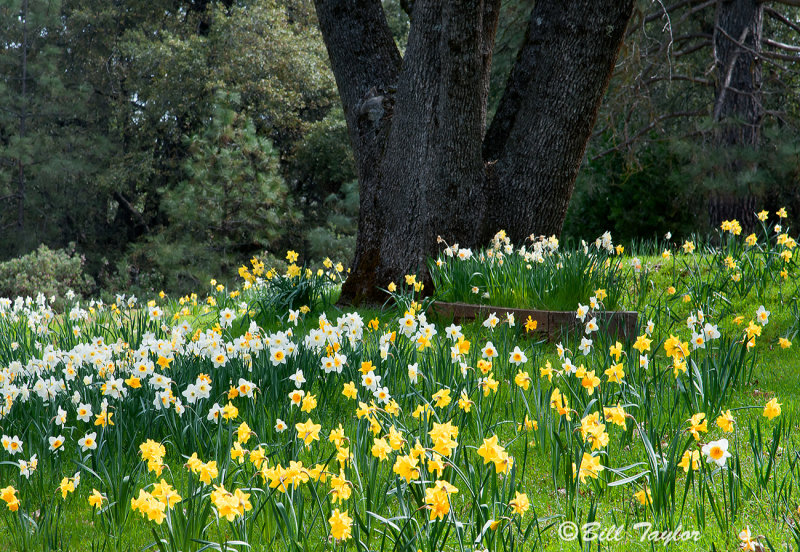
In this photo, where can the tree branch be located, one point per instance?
(682, 38)
(687, 78)
(691, 49)
(726, 80)
(557, 82)
(776, 55)
(782, 18)
(658, 14)
(781, 45)
(520, 101)
(695, 9)
(765, 56)
(125, 204)
(647, 129)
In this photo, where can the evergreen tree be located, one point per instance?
(233, 203)
(50, 152)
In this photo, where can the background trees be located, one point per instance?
(700, 119)
(114, 113)
(48, 143)
(168, 140)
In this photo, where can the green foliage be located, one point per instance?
(51, 272)
(271, 299)
(323, 157)
(676, 186)
(326, 187)
(271, 53)
(336, 238)
(232, 204)
(398, 21)
(635, 201)
(541, 277)
(117, 103)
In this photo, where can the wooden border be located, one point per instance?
(622, 324)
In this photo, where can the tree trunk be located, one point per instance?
(737, 43)
(545, 117)
(23, 117)
(417, 125)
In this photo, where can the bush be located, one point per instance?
(48, 271)
(642, 200)
(684, 187)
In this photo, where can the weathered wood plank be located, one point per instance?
(621, 324)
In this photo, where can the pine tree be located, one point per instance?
(50, 150)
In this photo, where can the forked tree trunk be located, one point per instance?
(737, 44)
(417, 124)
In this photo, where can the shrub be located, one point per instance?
(684, 187)
(48, 271)
(645, 199)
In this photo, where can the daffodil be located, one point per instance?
(698, 424)
(725, 421)
(308, 431)
(406, 467)
(772, 409)
(9, 496)
(520, 503)
(716, 452)
(437, 499)
(690, 460)
(341, 525)
(590, 467)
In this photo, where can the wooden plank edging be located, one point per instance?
(622, 324)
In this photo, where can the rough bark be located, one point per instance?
(545, 117)
(737, 43)
(23, 116)
(417, 127)
(366, 64)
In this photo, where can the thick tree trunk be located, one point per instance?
(417, 126)
(737, 44)
(366, 64)
(545, 117)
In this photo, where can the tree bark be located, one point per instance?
(737, 43)
(545, 117)
(366, 64)
(23, 117)
(417, 126)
